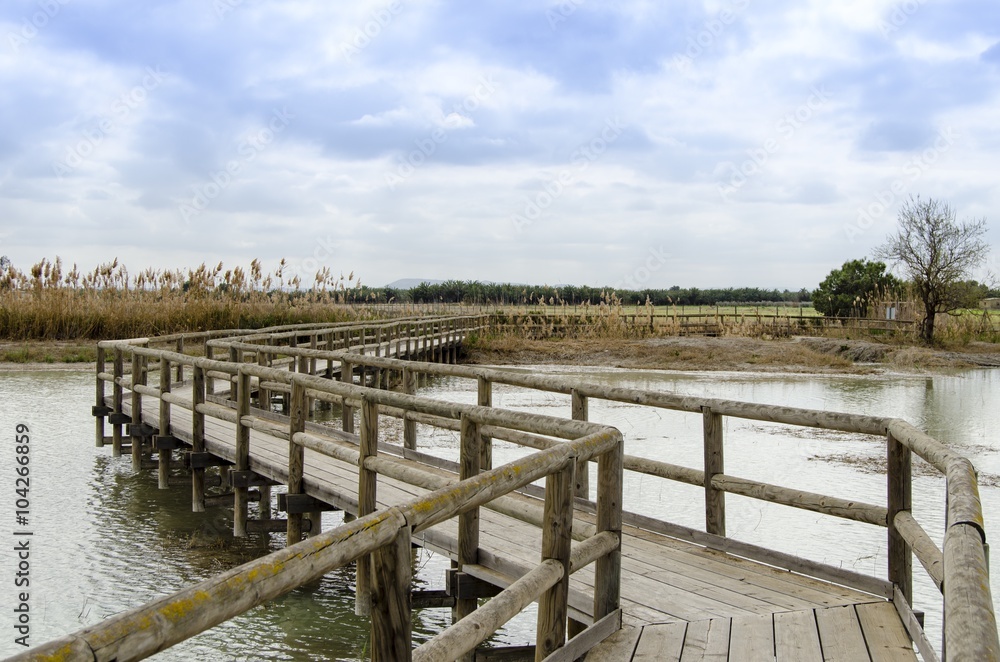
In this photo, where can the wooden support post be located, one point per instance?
(607, 569)
(199, 388)
(296, 458)
(315, 518)
(99, 399)
(263, 395)
(265, 502)
(580, 412)
(409, 426)
(242, 452)
(138, 377)
(116, 402)
(347, 376)
(468, 522)
(899, 499)
(209, 381)
(390, 600)
(715, 500)
(312, 361)
(557, 539)
(163, 471)
(180, 366)
(485, 399)
(367, 485)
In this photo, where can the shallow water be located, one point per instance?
(105, 540)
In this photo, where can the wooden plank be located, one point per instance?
(660, 643)
(617, 647)
(707, 641)
(796, 637)
(840, 635)
(751, 639)
(884, 633)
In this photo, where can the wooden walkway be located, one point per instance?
(675, 594)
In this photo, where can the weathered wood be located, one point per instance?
(926, 551)
(751, 639)
(367, 486)
(796, 637)
(116, 399)
(884, 634)
(589, 637)
(579, 406)
(198, 439)
(296, 457)
(484, 398)
(900, 500)
(557, 540)
(99, 400)
(242, 451)
(915, 628)
(840, 634)
(607, 570)
(347, 376)
(715, 498)
(466, 634)
(409, 425)
(819, 503)
(969, 621)
(302, 504)
(390, 600)
(163, 469)
(468, 522)
(708, 641)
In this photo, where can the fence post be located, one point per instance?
(390, 600)
(468, 522)
(242, 452)
(367, 486)
(557, 538)
(409, 426)
(263, 395)
(715, 500)
(296, 457)
(485, 399)
(580, 413)
(138, 378)
(99, 399)
(347, 412)
(607, 569)
(163, 469)
(198, 439)
(210, 355)
(180, 366)
(116, 402)
(899, 499)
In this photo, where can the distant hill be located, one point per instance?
(410, 283)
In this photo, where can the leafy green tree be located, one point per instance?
(849, 290)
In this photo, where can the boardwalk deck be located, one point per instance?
(665, 582)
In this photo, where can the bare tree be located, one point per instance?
(936, 254)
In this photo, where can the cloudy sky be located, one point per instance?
(704, 144)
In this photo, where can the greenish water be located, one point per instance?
(106, 540)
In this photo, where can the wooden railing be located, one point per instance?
(309, 359)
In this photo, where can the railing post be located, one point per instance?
(580, 412)
(242, 451)
(557, 539)
(468, 522)
(715, 500)
(263, 395)
(390, 600)
(312, 361)
(99, 399)
(367, 485)
(180, 366)
(607, 569)
(899, 478)
(138, 378)
(485, 399)
(116, 402)
(347, 376)
(163, 468)
(210, 355)
(296, 457)
(409, 426)
(198, 439)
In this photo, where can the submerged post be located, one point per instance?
(138, 379)
(366, 498)
(116, 403)
(296, 457)
(163, 467)
(242, 452)
(198, 440)
(99, 400)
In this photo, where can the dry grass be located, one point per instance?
(49, 304)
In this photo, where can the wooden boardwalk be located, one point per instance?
(610, 585)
